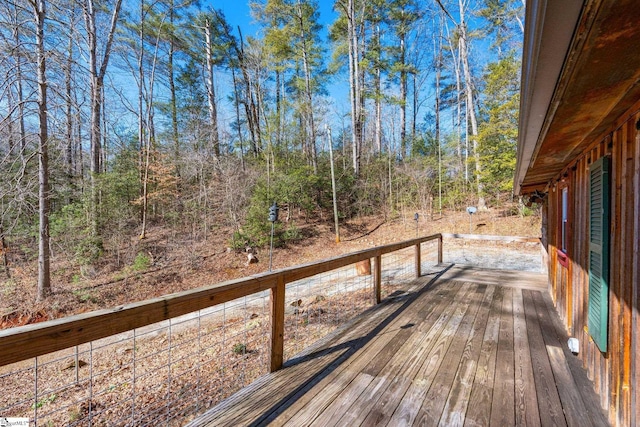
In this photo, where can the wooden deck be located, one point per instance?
(464, 346)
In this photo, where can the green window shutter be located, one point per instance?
(599, 205)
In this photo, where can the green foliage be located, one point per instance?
(369, 192)
(240, 348)
(141, 263)
(70, 226)
(498, 134)
(84, 295)
(44, 401)
(239, 241)
(299, 189)
(292, 234)
(503, 17)
(526, 211)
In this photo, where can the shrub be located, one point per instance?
(141, 263)
(240, 348)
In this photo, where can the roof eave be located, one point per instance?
(550, 26)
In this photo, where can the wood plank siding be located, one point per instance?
(468, 347)
(614, 373)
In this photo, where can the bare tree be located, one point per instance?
(19, 79)
(97, 72)
(308, 109)
(471, 109)
(44, 268)
(469, 91)
(354, 86)
(210, 84)
(4, 251)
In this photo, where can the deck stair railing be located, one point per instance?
(165, 360)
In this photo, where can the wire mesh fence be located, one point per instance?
(318, 305)
(525, 255)
(429, 257)
(168, 372)
(164, 373)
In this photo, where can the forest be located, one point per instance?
(118, 116)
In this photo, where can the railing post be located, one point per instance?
(377, 278)
(440, 249)
(417, 258)
(277, 324)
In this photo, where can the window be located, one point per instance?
(564, 238)
(564, 224)
(599, 205)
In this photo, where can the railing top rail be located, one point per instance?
(25, 342)
(506, 239)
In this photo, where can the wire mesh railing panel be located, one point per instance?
(162, 374)
(498, 255)
(316, 306)
(429, 257)
(398, 268)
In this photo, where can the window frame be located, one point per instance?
(564, 222)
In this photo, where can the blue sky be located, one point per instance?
(237, 13)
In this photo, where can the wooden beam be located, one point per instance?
(505, 239)
(635, 279)
(29, 341)
(377, 278)
(417, 261)
(277, 325)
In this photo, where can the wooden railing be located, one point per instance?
(25, 342)
(494, 238)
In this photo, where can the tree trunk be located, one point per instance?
(237, 108)
(461, 161)
(414, 99)
(279, 107)
(141, 130)
(354, 87)
(378, 89)
(97, 82)
(20, 91)
(150, 137)
(4, 250)
(249, 103)
(78, 158)
(94, 135)
(439, 64)
(403, 98)
(11, 141)
(68, 158)
(44, 274)
(211, 95)
(311, 128)
(471, 105)
(172, 91)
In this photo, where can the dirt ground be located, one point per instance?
(181, 264)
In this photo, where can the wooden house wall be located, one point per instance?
(615, 374)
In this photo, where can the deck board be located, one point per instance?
(456, 406)
(479, 406)
(526, 409)
(503, 403)
(551, 410)
(473, 347)
(394, 381)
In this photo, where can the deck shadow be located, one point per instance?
(351, 347)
